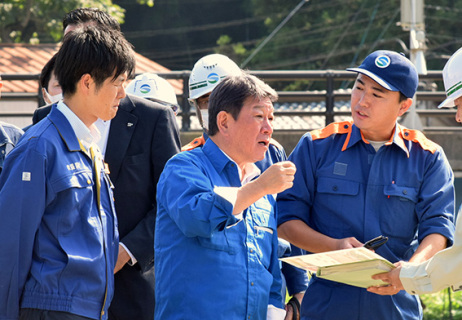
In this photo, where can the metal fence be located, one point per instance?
(329, 94)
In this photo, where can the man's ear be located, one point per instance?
(223, 122)
(85, 82)
(404, 106)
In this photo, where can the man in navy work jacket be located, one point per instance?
(369, 177)
(59, 230)
(136, 144)
(216, 238)
(443, 269)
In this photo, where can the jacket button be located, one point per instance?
(89, 181)
(335, 188)
(404, 191)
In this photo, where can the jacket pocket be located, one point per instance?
(218, 241)
(401, 193)
(337, 186)
(335, 204)
(81, 179)
(398, 211)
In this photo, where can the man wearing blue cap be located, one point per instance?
(359, 179)
(443, 269)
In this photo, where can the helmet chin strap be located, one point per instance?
(205, 118)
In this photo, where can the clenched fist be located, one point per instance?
(278, 177)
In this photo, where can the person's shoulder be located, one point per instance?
(334, 128)
(197, 142)
(273, 143)
(41, 113)
(418, 137)
(11, 128)
(184, 159)
(13, 132)
(40, 138)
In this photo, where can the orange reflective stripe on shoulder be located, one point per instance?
(198, 142)
(418, 137)
(333, 128)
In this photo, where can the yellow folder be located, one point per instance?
(354, 266)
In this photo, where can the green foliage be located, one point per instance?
(437, 306)
(149, 3)
(234, 51)
(325, 35)
(41, 20)
(336, 34)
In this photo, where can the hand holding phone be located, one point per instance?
(375, 243)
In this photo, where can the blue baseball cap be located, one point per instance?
(391, 70)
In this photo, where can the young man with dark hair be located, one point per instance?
(216, 239)
(59, 229)
(136, 144)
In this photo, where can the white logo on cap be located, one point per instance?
(382, 61)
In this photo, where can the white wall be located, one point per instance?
(23, 107)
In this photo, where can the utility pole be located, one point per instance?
(412, 20)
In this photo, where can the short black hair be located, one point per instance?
(47, 71)
(84, 15)
(231, 93)
(97, 51)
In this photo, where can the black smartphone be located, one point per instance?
(375, 243)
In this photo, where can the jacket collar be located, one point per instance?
(217, 157)
(64, 129)
(354, 136)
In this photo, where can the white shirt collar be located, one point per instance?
(103, 127)
(87, 136)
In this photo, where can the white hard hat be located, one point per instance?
(208, 72)
(153, 87)
(452, 77)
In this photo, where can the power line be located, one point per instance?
(289, 16)
(342, 36)
(190, 29)
(294, 38)
(288, 45)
